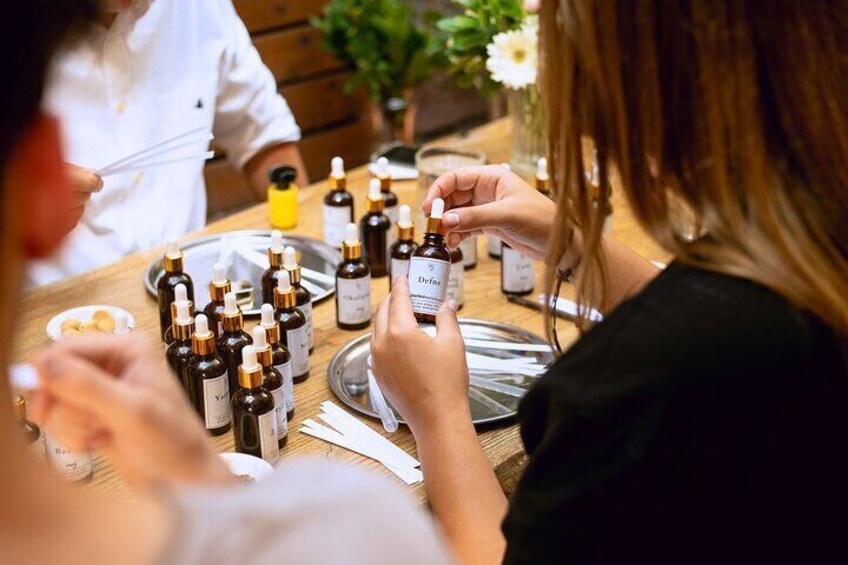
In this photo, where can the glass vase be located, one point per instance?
(393, 120)
(528, 130)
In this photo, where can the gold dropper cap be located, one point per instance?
(263, 349)
(232, 319)
(173, 258)
(284, 293)
(202, 340)
(351, 245)
(250, 371)
(220, 285)
(182, 320)
(20, 408)
(434, 220)
(267, 321)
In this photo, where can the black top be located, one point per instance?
(705, 420)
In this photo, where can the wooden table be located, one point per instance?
(120, 284)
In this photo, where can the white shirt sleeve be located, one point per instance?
(250, 114)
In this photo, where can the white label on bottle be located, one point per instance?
(399, 267)
(70, 466)
(354, 300)
(456, 283)
(288, 384)
(299, 348)
(516, 271)
(428, 284)
(493, 245)
(268, 437)
(216, 401)
(336, 218)
(279, 395)
(469, 251)
(306, 309)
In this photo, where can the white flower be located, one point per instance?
(513, 57)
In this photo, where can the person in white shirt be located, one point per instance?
(151, 70)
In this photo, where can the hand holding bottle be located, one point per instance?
(115, 395)
(494, 201)
(425, 378)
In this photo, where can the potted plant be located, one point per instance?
(388, 54)
(493, 46)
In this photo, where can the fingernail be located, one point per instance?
(451, 220)
(453, 305)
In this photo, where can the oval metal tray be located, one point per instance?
(348, 377)
(246, 250)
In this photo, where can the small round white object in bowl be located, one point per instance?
(83, 314)
(241, 464)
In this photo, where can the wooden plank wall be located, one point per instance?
(311, 80)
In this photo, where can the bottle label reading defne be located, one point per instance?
(288, 385)
(216, 401)
(335, 220)
(280, 411)
(268, 437)
(299, 348)
(428, 284)
(399, 267)
(354, 300)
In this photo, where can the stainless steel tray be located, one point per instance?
(349, 380)
(202, 253)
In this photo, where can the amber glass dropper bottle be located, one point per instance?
(233, 338)
(180, 293)
(254, 421)
(280, 356)
(429, 268)
(218, 287)
(304, 297)
(401, 250)
(173, 275)
(374, 229)
(338, 205)
(275, 260)
(390, 199)
(353, 285)
(179, 352)
(209, 385)
(272, 381)
(292, 327)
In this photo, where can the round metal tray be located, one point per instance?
(247, 248)
(348, 377)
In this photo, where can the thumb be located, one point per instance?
(472, 218)
(83, 385)
(447, 324)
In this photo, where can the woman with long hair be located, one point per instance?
(703, 418)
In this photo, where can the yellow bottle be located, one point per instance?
(282, 197)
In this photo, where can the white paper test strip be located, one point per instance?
(495, 386)
(379, 451)
(155, 149)
(509, 346)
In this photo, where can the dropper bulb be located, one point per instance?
(180, 293)
(374, 192)
(267, 315)
(172, 248)
(405, 217)
(276, 240)
(290, 257)
(230, 306)
(437, 209)
(284, 282)
(351, 234)
(382, 166)
(201, 325)
(260, 340)
(248, 358)
(219, 273)
(337, 167)
(542, 168)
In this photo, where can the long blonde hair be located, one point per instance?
(733, 111)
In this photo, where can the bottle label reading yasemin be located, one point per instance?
(354, 300)
(280, 411)
(517, 271)
(216, 401)
(399, 267)
(456, 283)
(299, 348)
(268, 437)
(306, 309)
(428, 284)
(335, 220)
(288, 384)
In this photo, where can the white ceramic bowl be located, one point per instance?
(82, 313)
(244, 464)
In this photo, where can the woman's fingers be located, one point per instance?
(476, 218)
(463, 185)
(400, 306)
(381, 318)
(447, 324)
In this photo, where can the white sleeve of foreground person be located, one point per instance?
(307, 512)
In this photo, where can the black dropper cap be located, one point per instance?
(282, 176)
